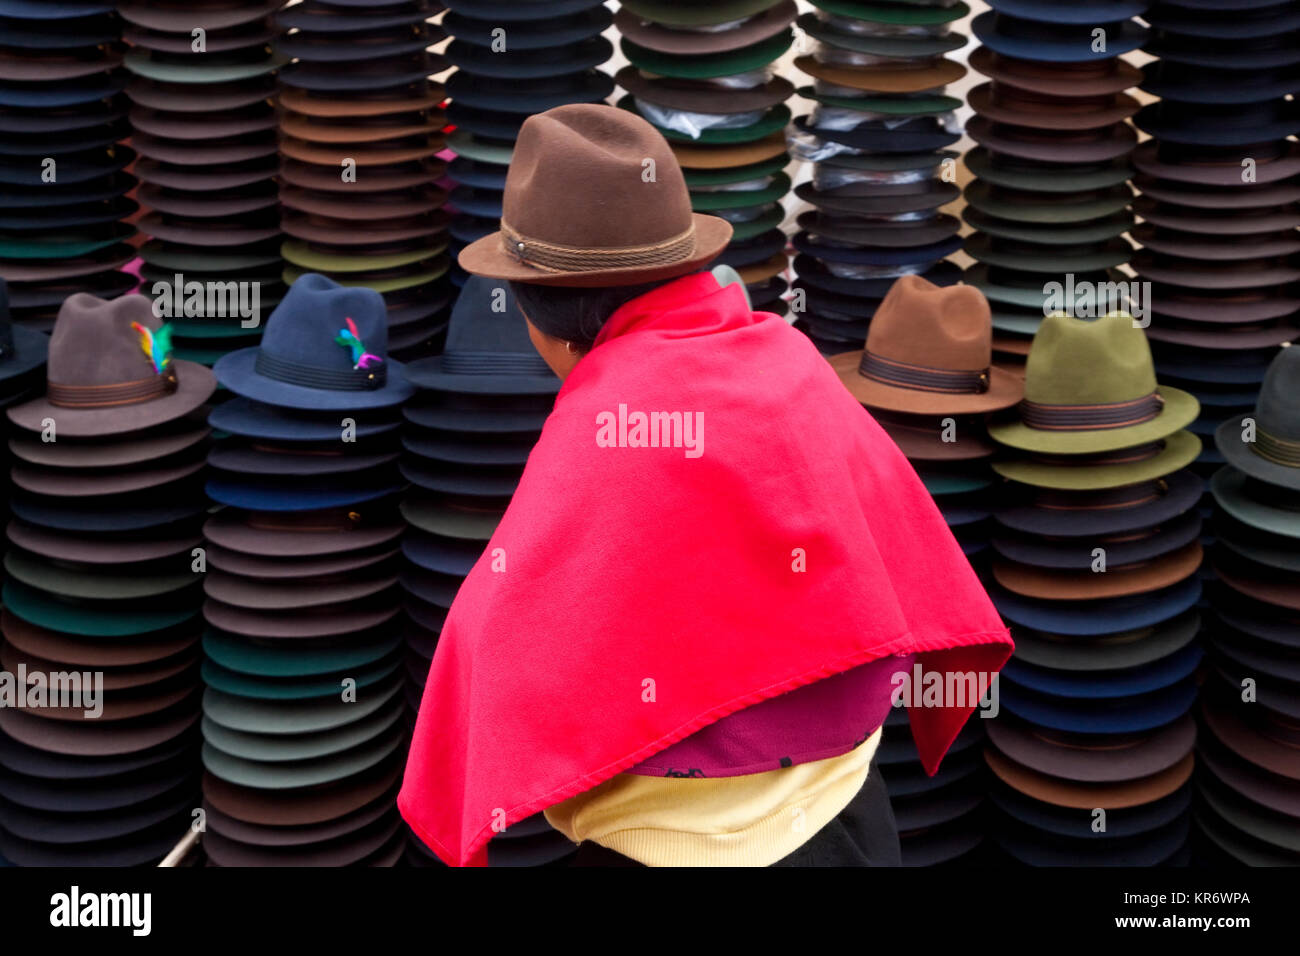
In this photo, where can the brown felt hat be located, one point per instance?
(1053, 584)
(1085, 796)
(929, 351)
(314, 104)
(101, 380)
(665, 39)
(892, 79)
(580, 210)
(692, 156)
(1096, 78)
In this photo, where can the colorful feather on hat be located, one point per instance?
(350, 339)
(157, 345)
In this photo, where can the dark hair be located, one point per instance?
(571, 314)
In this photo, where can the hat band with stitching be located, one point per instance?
(922, 378)
(1064, 418)
(313, 376)
(1280, 451)
(470, 362)
(553, 257)
(108, 396)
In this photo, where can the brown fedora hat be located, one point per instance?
(328, 105)
(893, 79)
(578, 209)
(1052, 584)
(1057, 79)
(101, 381)
(921, 438)
(929, 351)
(691, 156)
(755, 29)
(1085, 796)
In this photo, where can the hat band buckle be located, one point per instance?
(557, 258)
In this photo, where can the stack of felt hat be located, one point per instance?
(1249, 774)
(361, 130)
(702, 74)
(62, 185)
(878, 139)
(1050, 193)
(513, 58)
(1097, 551)
(925, 376)
(1220, 185)
(101, 580)
(466, 436)
(303, 715)
(203, 122)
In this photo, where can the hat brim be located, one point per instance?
(487, 257)
(195, 385)
(1181, 449)
(1128, 760)
(1054, 584)
(237, 372)
(1240, 454)
(1228, 486)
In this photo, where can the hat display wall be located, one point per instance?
(1051, 165)
(361, 130)
(466, 435)
(202, 116)
(704, 74)
(1220, 199)
(512, 59)
(879, 141)
(101, 578)
(63, 188)
(304, 721)
(926, 376)
(1096, 557)
(1250, 780)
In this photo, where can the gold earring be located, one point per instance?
(573, 349)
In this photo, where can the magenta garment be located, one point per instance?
(813, 722)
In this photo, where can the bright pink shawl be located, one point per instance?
(647, 594)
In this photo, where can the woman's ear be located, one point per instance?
(561, 356)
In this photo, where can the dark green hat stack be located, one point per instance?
(1097, 553)
(878, 140)
(304, 721)
(702, 73)
(103, 585)
(202, 92)
(513, 58)
(63, 189)
(465, 438)
(1050, 195)
(1219, 183)
(1250, 780)
(360, 133)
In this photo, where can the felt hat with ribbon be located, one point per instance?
(1090, 386)
(1273, 456)
(111, 371)
(580, 208)
(929, 352)
(325, 348)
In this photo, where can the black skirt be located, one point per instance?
(862, 834)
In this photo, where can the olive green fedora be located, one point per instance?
(1090, 386)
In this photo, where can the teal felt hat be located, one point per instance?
(463, 143)
(310, 716)
(273, 748)
(304, 658)
(730, 63)
(306, 773)
(1050, 259)
(200, 70)
(297, 688)
(1268, 508)
(1051, 209)
(913, 104)
(1051, 234)
(766, 221)
(89, 619)
(740, 199)
(1048, 179)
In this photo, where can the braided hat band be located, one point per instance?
(555, 258)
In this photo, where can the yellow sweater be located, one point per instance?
(752, 820)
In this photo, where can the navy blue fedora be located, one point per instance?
(441, 554)
(1035, 848)
(488, 350)
(1070, 821)
(1042, 41)
(325, 348)
(1078, 553)
(1078, 11)
(1091, 685)
(242, 416)
(473, 481)
(551, 32)
(257, 494)
(538, 96)
(1111, 715)
(54, 9)
(526, 10)
(1088, 514)
(1233, 124)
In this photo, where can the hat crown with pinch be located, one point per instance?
(94, 344)
(303, 327)
(1278, 409)
(1089, 361)
(922, 324)
(573, 172)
